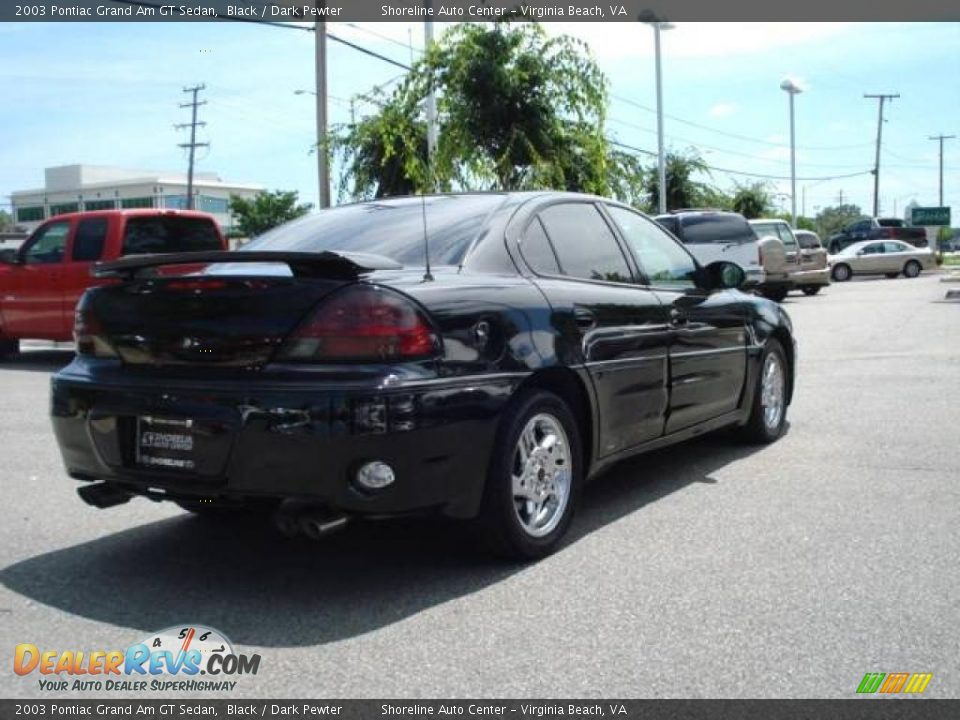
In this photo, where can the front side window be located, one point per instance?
(48, 246)
(661, 258)
(584, 243)
(89, 239)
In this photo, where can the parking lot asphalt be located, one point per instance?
(707, 570)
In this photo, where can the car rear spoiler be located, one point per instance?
(327, 264)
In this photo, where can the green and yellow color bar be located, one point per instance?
(892, 683)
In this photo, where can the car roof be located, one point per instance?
(134, 212)
(768, 220)
(698, 211)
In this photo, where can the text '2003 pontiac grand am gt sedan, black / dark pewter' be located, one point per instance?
(480, 355)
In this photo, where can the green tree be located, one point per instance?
(516, 110)
(683, 191)
(6, 220)
(752, 200)
(832, 219)
(266, 210)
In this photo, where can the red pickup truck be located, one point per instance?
(42, 280)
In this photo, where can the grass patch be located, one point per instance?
(951, 260)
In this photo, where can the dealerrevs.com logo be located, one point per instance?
(181, 658)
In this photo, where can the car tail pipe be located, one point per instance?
(102, 495)
(295, 518)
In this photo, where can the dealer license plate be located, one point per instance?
(165, 443)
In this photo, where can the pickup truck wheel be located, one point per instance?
(9, 349)
(810, 289)
(891, 276)
(533, 480)
(841, 272)
(911, 269)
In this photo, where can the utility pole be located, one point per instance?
(320, 60)
(941, 138)
(840, 197)
(431, 98)
(193, 144)
(876, 166)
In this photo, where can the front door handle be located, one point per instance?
(584, 319)
(677, 317)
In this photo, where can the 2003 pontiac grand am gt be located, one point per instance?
(329, 370)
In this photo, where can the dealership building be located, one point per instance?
(71, 188)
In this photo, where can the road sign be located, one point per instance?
(930, 216)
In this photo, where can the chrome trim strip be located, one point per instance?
(623, 361)
(713, 351)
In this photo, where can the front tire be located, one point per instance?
(768, 414)
(811, 289)
(534, 478)
(911, 269)
(841, 272)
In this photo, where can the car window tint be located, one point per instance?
(669, 223)
(393, 228)
(895, 247)
(786, 234)
(537, 251)
(89, 239)
(49, 246)
(716, 228)
(169, 234)
(662, 259)
(874, 249)
(585, 245)
(808, 241)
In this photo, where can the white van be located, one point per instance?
(716, 235)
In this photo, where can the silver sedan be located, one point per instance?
(880, 257)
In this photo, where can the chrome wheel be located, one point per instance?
(911, 269)
(541, 473)
(771, 391)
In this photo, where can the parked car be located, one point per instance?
(333, 368)
(713, 235)
(42, 280)
(877, 229)
(781, 230)
(889, 258)
(814, 272)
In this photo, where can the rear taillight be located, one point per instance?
(89, 335)
(760, 255)
(362, 323)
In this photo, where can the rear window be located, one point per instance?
(808, 241)
(169, 234)
(392, 228)
(721, 229)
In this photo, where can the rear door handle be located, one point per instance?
(584, 319)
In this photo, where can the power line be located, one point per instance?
(193, 144)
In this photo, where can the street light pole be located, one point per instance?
(661, 156)
(791, 88)
(431, 99)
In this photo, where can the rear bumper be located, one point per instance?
(804, 278)
(292, 440)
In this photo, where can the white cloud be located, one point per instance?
(722, 109)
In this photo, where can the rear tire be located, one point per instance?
(768, 414)
(534, 478)
(776, 294)
(841, 272)
(911, 269)
(891, 276)
(811, 289)
(9, 349)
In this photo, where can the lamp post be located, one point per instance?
(661, 158)
(791, 88)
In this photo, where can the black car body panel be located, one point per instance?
(641, 365)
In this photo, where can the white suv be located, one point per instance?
(716, 235)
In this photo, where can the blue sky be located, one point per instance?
(109, 93)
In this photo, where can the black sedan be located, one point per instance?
(478, 355)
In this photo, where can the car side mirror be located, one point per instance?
(723, 275)
(9, 256)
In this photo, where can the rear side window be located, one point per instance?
(537, 251)
(89, 239)
(719, 229)
(147, 235)
(895, 247)
(584, 243)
